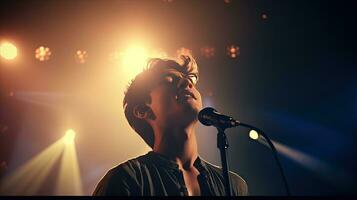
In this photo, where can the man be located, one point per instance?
(161, 105)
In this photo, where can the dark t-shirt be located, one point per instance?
(153, 174)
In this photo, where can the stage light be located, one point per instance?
(253, 135)
(233, 51)
(183, 51)
(69, 137)
(207, 51)
(43, 53)
(134, 60)
(264, 16)
(81, 56)
(8, 51)
(227, 1)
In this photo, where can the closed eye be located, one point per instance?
(170, 78)
(173, 78)
(193, 78)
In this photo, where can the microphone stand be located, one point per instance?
(222, 145)
(209, 116)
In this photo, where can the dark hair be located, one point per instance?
(138, 91)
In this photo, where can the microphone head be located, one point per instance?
(203, 116)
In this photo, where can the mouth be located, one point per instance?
(185, 95)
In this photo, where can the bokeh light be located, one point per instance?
(264, 16)
(8, 51)
(43, 53)
(207, 51)
(81, 56)
(233, 51)
(253, 135)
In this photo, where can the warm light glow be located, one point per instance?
(159, 53)
(81, 56)
(134, 60)
(253, 135)
(8, 51)
(69, 137)
(233, 51)
(114, 56)
(43, 53)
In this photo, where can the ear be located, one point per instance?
(142, 111)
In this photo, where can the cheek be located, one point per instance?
(161, 101)
(199, 99)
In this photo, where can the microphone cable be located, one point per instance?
(275, 154)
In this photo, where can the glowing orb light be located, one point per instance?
(69, 136)
(253, 135)
(233, 51)
(43, 53)
(8, 51)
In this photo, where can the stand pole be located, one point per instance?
(222, 145)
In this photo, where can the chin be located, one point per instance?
(191, 111)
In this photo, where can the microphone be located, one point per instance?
(210, 117)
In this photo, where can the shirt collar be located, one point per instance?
(163, 160)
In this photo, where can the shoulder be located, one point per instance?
(124, 176)
(129, 167)
(239, 185)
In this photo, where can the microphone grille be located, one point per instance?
(203, 116)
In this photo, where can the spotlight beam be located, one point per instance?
(69, 179)
(27, 179)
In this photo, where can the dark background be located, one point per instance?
(295, 78)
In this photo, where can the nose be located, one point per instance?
(184, 83)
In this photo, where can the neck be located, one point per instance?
(179, 144)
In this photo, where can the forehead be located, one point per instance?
(175, 70)
(171, 71)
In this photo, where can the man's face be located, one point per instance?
(175, 99)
